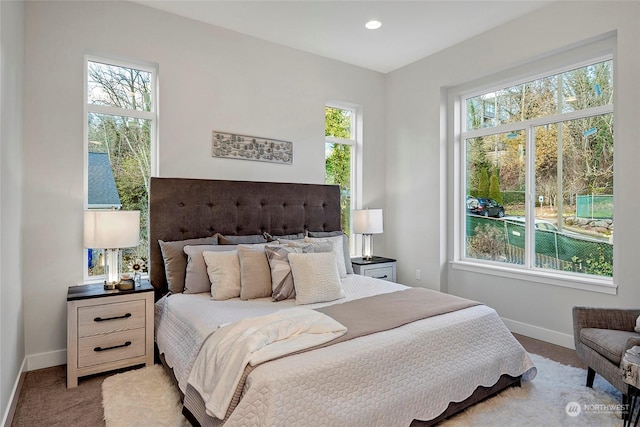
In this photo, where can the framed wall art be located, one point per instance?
(244, 147)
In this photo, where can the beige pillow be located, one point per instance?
(338, 249)
(255, 274)
(223, 269)
(315, 277)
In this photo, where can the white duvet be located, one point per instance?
(383, 379)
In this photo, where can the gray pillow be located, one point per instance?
(255, 275)
(175, 260)
(345, 245)
(197, 277)
(241, 240)
(282, 286)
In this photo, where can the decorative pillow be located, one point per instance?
(315, 277)
(336, 241)
(223, 269)
(175, 260)
(197, 279)
(255, 274)
(345, 245)
(637, 328)
(281, 278)
(241, 240)
(271, 238)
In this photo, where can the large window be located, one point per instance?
(340, 158)
(537, 190)
(120, 135)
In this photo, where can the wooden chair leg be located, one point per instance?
(591, 375)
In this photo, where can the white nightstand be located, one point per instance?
(378, 267)
(108, 329)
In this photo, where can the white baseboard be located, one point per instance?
(554, 337)
(13, 399)
(46, 360)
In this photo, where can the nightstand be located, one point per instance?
(378, 267)
(108, 329)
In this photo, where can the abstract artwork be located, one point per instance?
(243, 147)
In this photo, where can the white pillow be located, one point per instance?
(337, 244)
(315, 277)
(223, 269)
(637, 328)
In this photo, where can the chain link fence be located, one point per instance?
(594, 207)
(501, 240)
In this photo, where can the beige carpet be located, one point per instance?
(146, 397)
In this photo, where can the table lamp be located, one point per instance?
(367, 222)
(111, 230)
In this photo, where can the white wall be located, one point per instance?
(11, 313)
(419, 166)
(210, 79)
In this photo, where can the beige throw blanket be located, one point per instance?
(377, 313)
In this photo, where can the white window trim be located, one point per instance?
(458, 135)
(355, 246)
(102, 109)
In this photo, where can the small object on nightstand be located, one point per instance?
(126, 282)
(377, 267)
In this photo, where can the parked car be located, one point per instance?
(541, 224)
(484, 207)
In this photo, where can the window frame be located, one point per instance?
(601, 50)
(355, 141)
(89, 108)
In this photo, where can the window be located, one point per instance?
(537, 164)
(120, 140)
(340, 159)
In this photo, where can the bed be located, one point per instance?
(417, 373)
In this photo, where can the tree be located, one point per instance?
(483, 184)
(338, 159)
(494, 188)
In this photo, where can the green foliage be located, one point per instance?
(494, 188)
(338, 159)
(596, 264)
(483, 184)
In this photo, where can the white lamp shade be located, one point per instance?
(367, 221)
(110, 229)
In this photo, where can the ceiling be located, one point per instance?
(335, 29)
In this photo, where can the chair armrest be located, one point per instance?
(623, 319)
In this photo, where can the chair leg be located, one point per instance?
(591, 375)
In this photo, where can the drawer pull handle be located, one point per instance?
(101, 319)
(126, 344)
(383, 277)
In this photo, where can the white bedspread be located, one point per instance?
(219, 366)
(383, 379)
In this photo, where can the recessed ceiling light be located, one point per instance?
(373, 25)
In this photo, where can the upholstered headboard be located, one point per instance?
(181, 209)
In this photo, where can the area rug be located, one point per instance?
(556, 397)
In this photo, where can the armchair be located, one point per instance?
(601, 337)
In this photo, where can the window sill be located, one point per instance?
(587, 283)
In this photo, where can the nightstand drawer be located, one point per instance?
(106, 318)
(384, 273)
(101, 349)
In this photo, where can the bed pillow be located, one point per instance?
(175, 260)
(337, 244)
(223, 269)
(241, 240)
(197, 279)
(315, 277)
(345, 245)
(255, 274)
(297, 236)
(282, 287)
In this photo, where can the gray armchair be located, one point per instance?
(601, 336)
